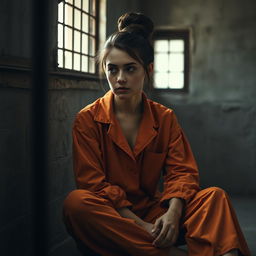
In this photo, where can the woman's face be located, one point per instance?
(125, 75)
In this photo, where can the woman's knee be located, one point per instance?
(216, 190)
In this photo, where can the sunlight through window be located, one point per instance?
(171, 60)
(77, 35)
(169, 64)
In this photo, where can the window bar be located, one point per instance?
(63, 45)
(97, 22)
(89, 35)
(169, 60)
(63, 32)
(186, 60)
(81, 25)
(73, 35)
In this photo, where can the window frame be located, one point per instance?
(169, 34)
(76, 73)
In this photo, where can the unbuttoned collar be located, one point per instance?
(105, 110)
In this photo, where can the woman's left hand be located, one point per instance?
(166, 227)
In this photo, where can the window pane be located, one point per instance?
(91, 65)
(60, 58)
(84, 44)
(77, 19)
(92, 26)
(176, 45)
(92, 46)
(176, 80)
(68, 38)
(161, 62)
(78, 3)
(76, 45)
(77, 41)
(84, 63)
(92, 7)
(86, 5)
(68, 15)
(161, 46)
(76, 61)
(60, 36)
(85, 23)
(161, 80)
(60, 12)
(68, 60)
(176, 62)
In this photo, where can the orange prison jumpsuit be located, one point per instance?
(109, 175)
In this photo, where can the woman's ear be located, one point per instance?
(151, 68)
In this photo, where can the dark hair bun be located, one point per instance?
(136, 23)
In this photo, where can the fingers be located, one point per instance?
(170, 235)
(164, 237)
(157, 228)
(175, 236)
(167, 237)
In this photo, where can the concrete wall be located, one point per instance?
(67, 95)
(219, 112)
(15, 28)
(116, 8)
(15, 212)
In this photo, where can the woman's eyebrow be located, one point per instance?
(127, 64)
(131, 63)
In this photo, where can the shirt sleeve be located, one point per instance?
(88, 164)
(181, 177)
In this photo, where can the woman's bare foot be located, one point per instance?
(174, 251)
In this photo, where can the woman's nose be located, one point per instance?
(121, 78)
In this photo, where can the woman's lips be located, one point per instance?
(121, 90)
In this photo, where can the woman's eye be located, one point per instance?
(112, 70)
(131, 69)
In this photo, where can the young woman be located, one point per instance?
(122, 143)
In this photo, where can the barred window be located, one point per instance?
(171, 49)
(77, 35)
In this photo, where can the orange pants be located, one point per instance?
(210, 222)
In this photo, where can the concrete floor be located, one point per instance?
(246, 212)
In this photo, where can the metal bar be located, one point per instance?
(95, 38)
(73, 35)
(63, 35)
(81, 26)
(40, 58)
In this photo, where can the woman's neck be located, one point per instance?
(129, 106)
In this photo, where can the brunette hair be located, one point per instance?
(134, 36)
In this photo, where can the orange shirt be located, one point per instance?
(105, 164)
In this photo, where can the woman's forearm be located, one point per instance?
(126, 213)
(176, 204)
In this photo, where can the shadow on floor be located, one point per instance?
(245, 208)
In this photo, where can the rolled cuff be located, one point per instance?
(186, 196)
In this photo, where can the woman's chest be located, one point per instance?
(141, 173)
(130, 127)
